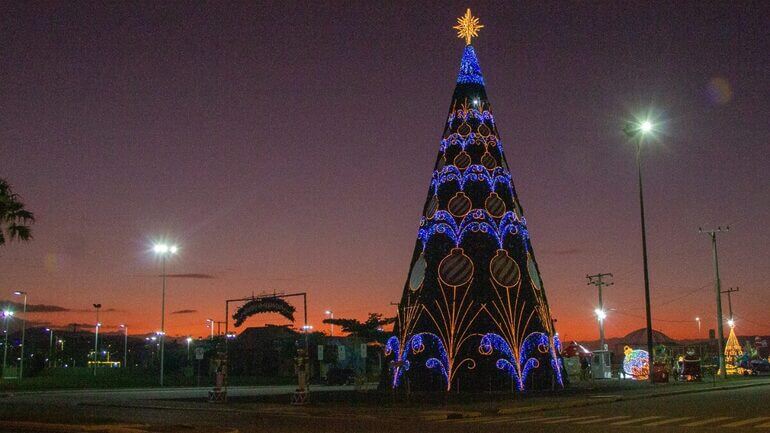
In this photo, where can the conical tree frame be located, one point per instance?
(473, 314)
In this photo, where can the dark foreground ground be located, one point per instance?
(704, 407)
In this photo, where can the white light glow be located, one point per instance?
(600, 314)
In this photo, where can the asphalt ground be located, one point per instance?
(690, 408)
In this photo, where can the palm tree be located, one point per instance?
(14, 219)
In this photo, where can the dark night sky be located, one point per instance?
(289, 146)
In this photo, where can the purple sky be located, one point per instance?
(289, 146)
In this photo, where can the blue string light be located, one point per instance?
(532, 344)
(470, 71)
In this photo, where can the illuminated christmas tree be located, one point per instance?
(733, 351)
(473, 314)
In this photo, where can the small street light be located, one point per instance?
(188, 340)
(731, 323)
(125, 344)
(210, 324)
(330, 313)
(23, 331)
(50, 346)
(697, 320)
(96, 335)
(7, 314)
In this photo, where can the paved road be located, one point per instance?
(746, 409)
(739, 409)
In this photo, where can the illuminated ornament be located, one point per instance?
(484, 130)
(459, 205)
(417, 276)
(488, 161)
(462, 160)
(504, 270)
(494, 205)
(534, 275)
(468, 27)
(636, 363)
(432, 207)
(464, 129)
(456, 269)
(441, 163)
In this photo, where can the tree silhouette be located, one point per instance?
(368, 330)
(14, 219)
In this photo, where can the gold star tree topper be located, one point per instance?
(467, 27)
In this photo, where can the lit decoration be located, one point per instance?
(733, 351)
(398, 345)
(636, 363)
(264, 305)
(468, 27)
(474, 288)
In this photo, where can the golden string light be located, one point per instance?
(468, 27)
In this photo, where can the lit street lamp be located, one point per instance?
(7, 314)
(330, 313)
(163, 250)
(210, 324)
(307, 328)
(697, 319)
(125, 345)
(96, 336)
(637, 131)
(23, 331)
(50, 346)
(731, 323)
(189, 340)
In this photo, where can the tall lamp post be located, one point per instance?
(330, 313)
(210, 323)
(163, 250)
(96, 336)
(125, 344)
(637, 131)
(189, 340)
(50, 346)
(7, 314)
(23, 331)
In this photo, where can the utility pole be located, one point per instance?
(730, 300)
(598, 281)
(718, 288)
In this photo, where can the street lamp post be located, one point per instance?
(96, 336)
(23, 331)
(6, 315)
(125, 345)
(189, 340)
(637, 132)
(211, 326)
(163, 251)
(330, 313)
(697, 319)
(50, 346)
